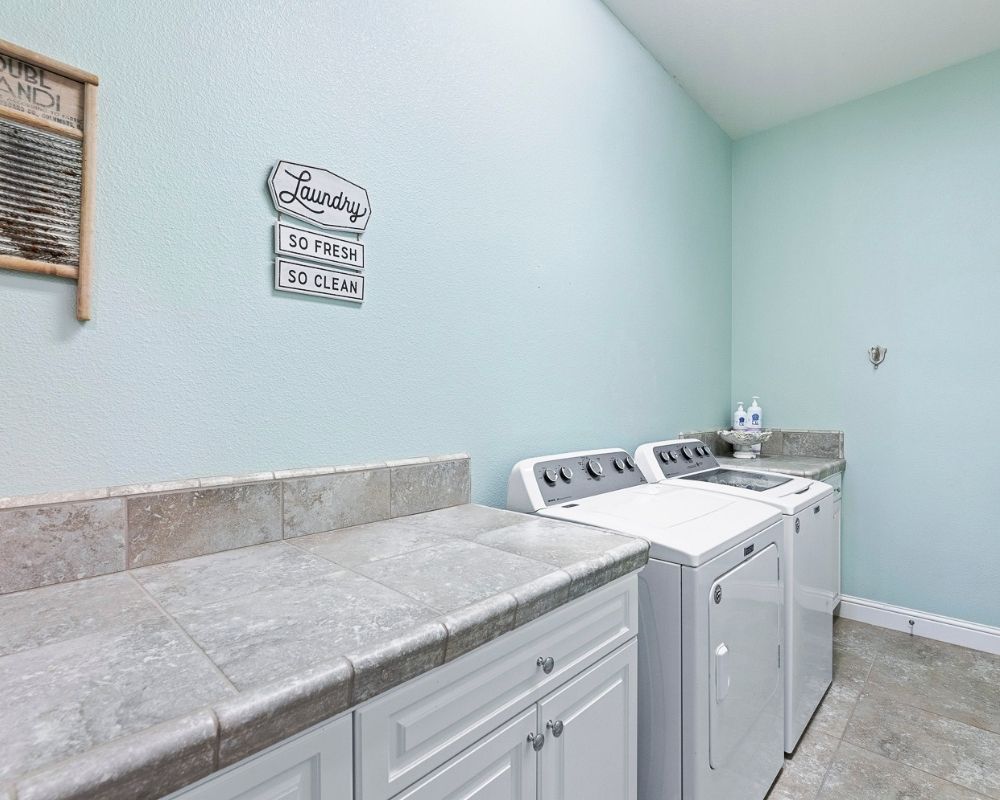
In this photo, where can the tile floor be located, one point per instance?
(906, 718)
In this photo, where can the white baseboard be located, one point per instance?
(930, 626)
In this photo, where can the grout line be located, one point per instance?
(186, 635)
(829, 766)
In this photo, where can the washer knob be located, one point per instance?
(686, 452)
(566, 474)
(673, 455)
(619, 464)
(594, 468)
(551, 476)
(665, 456)
(630, 462)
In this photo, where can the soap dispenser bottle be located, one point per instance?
(740, 417)
(755, 420)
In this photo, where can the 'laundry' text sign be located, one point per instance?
(290, 276)
(318, 196)
(290, 240)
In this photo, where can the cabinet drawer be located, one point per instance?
(410, 731)
(501, 766)
(313, 766)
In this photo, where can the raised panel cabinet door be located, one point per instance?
(314, 766)
(502, 766)
(590, 728)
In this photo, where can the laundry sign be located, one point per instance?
(291, 276)
(319, 196)
(291, 240)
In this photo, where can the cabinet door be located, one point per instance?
(501, 767)
(835, 555)
(314, 766)
(590, 733)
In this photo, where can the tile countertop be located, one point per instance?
(137, 683)
(804, 466)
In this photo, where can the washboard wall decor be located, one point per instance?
(47, 129)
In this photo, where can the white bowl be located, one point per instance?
(744, 441)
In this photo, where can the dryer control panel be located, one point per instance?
(682, 457)
(569, 478)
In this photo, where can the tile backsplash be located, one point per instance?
(783, 442)
(66, 536)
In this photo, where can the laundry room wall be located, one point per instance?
(548, 252)
(878, 222)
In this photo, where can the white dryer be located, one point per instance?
(711, 704)
(811, 558)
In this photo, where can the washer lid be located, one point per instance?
(788, 493)
(683, 525)
(741, 479)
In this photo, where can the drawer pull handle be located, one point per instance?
(556, 727)
(547, 663)
(537, 741)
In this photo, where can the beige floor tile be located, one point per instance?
(941, 678)
(857, 774)
(850, 670)
(862, 640)
(805, 769)
(944, 747)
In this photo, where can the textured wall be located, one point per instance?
(549, 249)
(878, 222)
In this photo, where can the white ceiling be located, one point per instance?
(753, 64)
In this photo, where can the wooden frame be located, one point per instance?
(84, 269)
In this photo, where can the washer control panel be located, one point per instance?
(682, 458)
(584, 475)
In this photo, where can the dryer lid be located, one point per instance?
(682, 525)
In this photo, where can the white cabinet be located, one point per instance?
(501, 767)
(313, 766)
(578, 743)
(837, 482)
(590, 728)
(405, 734)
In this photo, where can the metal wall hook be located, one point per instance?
(877, 355)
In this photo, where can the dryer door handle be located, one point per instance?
(722, 679)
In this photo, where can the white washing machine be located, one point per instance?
(711, 705)
(811, 557)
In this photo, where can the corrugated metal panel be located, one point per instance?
(39, 195)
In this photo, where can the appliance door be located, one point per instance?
(813, 592)
(745, 634)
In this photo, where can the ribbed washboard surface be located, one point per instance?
(39, 195)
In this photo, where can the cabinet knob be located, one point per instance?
(547, 663)
(556, 727)
(536, 740)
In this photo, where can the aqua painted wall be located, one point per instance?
(544, 196)
(878, 222)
